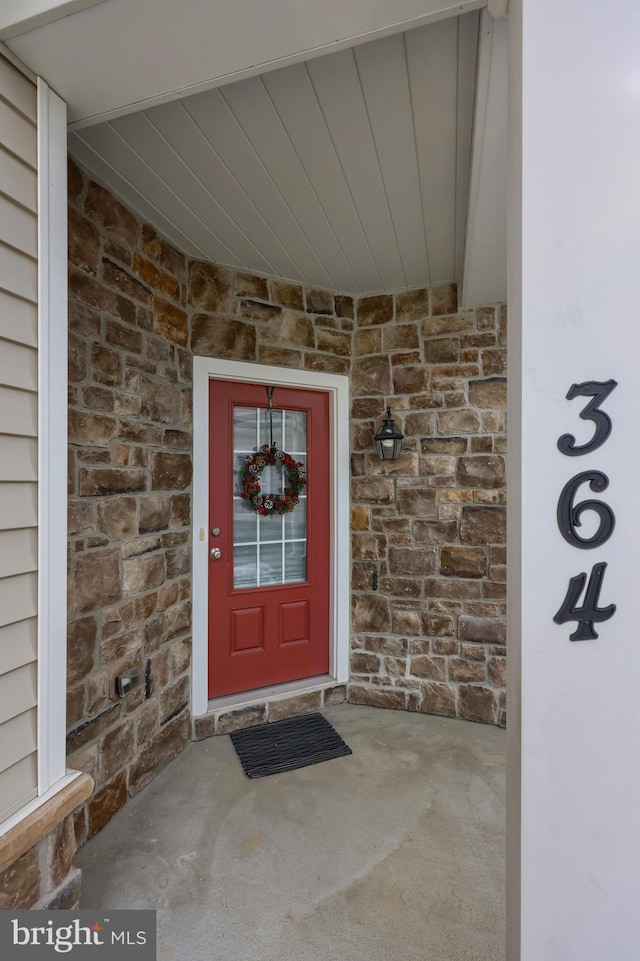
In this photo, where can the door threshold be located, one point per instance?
(233, 712)
(257, 695)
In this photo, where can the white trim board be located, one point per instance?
(52, 436)
(337, 386)
(20, 16)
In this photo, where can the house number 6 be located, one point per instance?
(569, 515)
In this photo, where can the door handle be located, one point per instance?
(215, 553)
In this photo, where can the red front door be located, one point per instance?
(269, 575)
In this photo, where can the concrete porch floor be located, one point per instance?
(392, 854)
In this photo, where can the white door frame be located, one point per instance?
(337, 386)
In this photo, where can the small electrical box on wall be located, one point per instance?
(127, 681)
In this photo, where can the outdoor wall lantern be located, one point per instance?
(389, 439)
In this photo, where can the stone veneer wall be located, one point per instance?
(36, 854)
(43, 877)
(129, 500)
(428, 530)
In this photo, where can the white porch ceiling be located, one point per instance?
(375, 167)
(349, 171)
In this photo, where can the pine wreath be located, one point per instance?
(269, 504)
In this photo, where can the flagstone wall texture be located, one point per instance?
(44, 877)
(428, 531)
(129, 500)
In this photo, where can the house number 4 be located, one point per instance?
(569, 515)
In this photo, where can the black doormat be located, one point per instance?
(287, 745)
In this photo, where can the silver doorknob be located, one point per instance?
(215, 553)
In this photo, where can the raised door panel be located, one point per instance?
(247, 630)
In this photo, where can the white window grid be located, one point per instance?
(283, 540)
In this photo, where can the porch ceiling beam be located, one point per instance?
(169, 51)
(484, 279)
(19, 16)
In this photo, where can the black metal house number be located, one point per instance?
(569, 515)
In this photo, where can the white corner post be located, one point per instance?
(52, 431)
(574, 275)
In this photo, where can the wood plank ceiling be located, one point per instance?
(350, 171)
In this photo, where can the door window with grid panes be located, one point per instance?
(268, 550)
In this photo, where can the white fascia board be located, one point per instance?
(19, 16)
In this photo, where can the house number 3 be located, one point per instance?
(569, 515)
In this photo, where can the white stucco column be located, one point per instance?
(574, 301)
